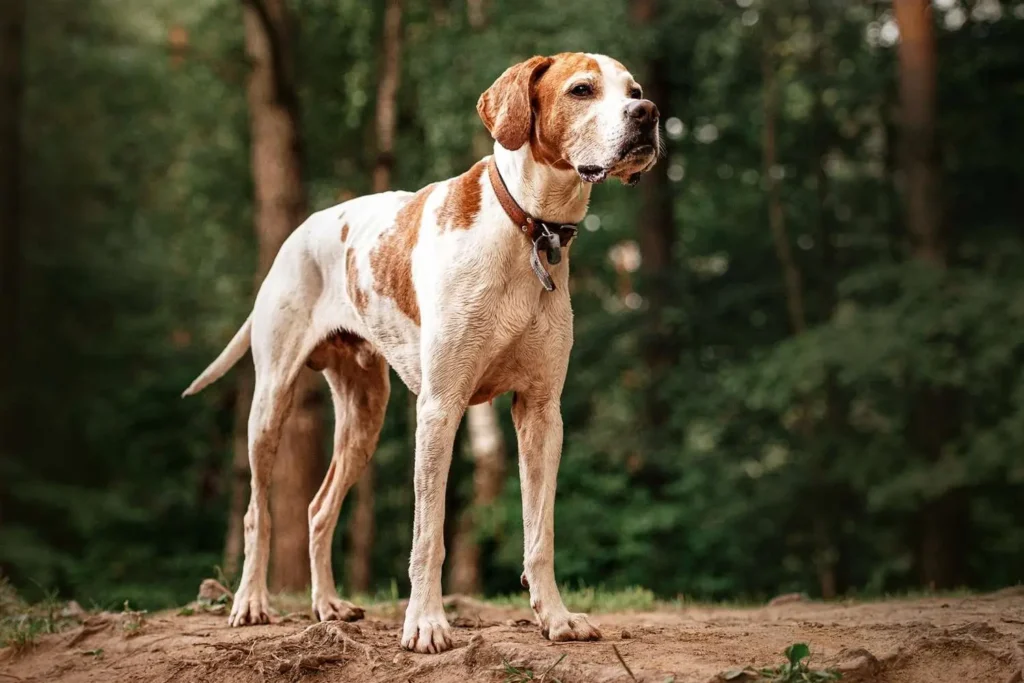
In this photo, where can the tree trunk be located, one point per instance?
(791, 277)
(935, 416)
(361, 524)
(234, 543)
(488, 449)
(826, 529)
(917, 78)
(280, 208)
(12, 33)
(657, 234)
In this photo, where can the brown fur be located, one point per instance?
(327, 352)
(463, 201)
(359, 298)
(391, 261)
(556, 110)
(344, 232)
(505, 106)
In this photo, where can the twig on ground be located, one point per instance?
(624, 665)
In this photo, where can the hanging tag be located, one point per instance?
(538, 269)
(554, 249)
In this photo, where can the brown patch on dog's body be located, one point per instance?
(359, 298)
(391, 261)
(340, 342)
(462, 203)
(344, 232)
(556, 110)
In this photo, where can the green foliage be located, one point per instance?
(786, 462)
(21, 624)
(591, 599)
(796, 669)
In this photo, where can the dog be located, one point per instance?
(462, 288)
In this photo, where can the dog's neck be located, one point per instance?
(544, 192)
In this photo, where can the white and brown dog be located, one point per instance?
(448, 287)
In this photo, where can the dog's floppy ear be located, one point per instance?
(505, 106)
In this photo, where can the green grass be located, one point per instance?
(21, 624)
(796, 669)
(590, 599)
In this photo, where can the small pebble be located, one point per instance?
(626, 635)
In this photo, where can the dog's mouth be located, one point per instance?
(631, 164)
(592, 174)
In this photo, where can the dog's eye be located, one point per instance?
(582, 90)
(635, 93)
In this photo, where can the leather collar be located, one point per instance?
(550, 237)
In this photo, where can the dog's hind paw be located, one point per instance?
(571, 627)
(249, 608)
(336, 609)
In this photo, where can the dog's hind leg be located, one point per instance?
(359, 387)
(279, 349)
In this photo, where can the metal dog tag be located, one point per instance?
(554, 248)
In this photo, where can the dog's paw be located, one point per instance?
(427, 634)
(568, 626)
(336, 609)
(249, 607)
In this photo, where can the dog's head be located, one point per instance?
(575, 110)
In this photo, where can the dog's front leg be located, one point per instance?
(437, 419)
(538, 423)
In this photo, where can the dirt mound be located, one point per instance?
(940, 640)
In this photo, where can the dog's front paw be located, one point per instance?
(428, 634)
(250, 607)
(333, 608)
(568, 626)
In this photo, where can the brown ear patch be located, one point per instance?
(462, 203)
(344, 232)
(355, 293)
(391, 261)
(505, 107)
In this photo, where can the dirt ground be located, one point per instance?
(933, 640)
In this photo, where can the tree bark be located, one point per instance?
(935, 414)
(917, 79)
(657, 233)
(791, 276)
(12, 38)
(280, 208)
(361, 524)
(828, 556)
(488, 449)
(234, 543)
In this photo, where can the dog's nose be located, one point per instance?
(642, 111)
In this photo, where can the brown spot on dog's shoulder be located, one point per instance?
(355, 292)
(391, 260)
(555, 110)
(344, 232)
(462, 203)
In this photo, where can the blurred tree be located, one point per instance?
(280, 208)
(934, 416)
(12, 27)
(361, 524)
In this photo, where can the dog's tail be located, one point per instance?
(235, 349)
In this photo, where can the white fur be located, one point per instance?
(485, 321)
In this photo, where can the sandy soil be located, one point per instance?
(933, 640)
